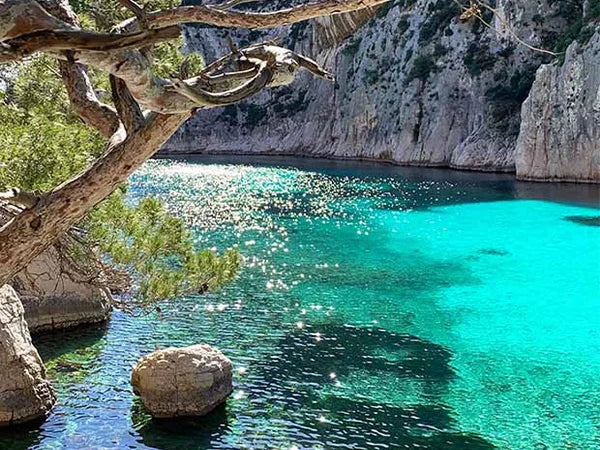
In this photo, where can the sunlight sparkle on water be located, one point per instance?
(450, 322)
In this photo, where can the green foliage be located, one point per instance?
(516, 90)
(44, 144)
(168, 58)
(371, 76)
(103, 15)
(443, 13)
(506, 97)
(351, 47)
(478, 59)
(254, 114)
(290, 102)
(422, 68)
(159, 249)
(580, 27)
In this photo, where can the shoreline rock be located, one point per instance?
(189, 381)
(56, 297)
(25, 393)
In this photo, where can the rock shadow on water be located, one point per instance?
(590, 221)
(70, 355)
(344, 348)
(181, 432)
(22, 436)
(52, 345)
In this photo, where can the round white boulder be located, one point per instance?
(189, 381)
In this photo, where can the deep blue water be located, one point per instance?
(379, 307)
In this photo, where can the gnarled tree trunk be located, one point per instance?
(27, 26)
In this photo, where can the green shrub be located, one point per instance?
(478, 59)
(423, 65)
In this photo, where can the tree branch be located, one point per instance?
(31, 232)
(128, 109)
(162, 96)
(84, 100)
(135, 8)
(16, 196)
(242, 19)
(252, 86)
(56, 40)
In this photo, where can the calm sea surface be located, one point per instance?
(379, 307)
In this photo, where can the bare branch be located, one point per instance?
(135, 8)
(242, 19)
(161, 95)
(232, 3)
(315, 68)
(128, 109)
(84, 100)
(201, 97)
(79, 40)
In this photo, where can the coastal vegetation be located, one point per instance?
(73, 128)
(346, 312)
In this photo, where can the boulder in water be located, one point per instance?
(189, 381)
(25, 394)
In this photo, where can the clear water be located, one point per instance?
(379, 308)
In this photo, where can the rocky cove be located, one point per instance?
(415, 85)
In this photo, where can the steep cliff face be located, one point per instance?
(415, 85)
(560, 127)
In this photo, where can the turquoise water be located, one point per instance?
(378, 308)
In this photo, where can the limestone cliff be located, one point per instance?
(59, 292)
(57, 296)
(560, 126)
(25, 394)
(415, 86)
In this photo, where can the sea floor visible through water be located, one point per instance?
(379, 307)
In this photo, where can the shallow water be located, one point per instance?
(379, 307)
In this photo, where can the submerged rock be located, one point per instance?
(189, 381)
(25, 394)
(56, 296)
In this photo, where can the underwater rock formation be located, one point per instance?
(25, 394)
(190, 381)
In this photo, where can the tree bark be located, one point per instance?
(22, 22)
(31, 232)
